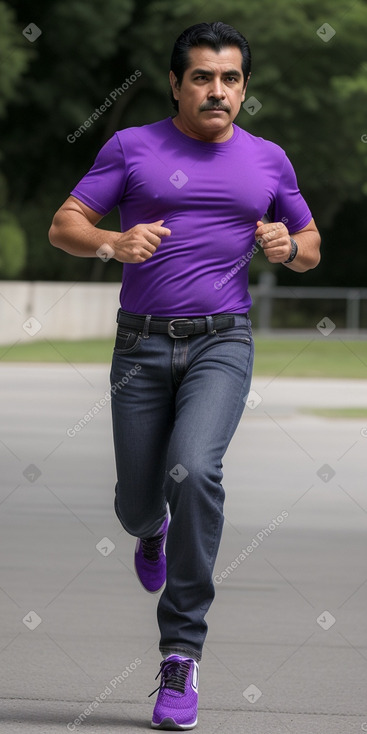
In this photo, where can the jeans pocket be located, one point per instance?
(241, 333)
(127, 340)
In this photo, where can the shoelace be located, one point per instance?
(151, 547)
(174, 676)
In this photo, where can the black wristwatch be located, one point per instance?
(294, 251)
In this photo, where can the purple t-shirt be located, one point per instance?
(210, 196)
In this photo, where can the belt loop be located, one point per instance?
(146, 327)
(209, 325)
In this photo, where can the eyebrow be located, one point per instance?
(207, 72)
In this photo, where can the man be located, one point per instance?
(192, 192)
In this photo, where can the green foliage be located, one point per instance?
(3, 191)
(13, 246)
(313, 95)
(14, 57)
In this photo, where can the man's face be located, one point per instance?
(211, 92)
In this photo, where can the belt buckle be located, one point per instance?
(171, 328)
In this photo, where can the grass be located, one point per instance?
(273, 357)
(336, 412)
(311, 358)
(91, 350)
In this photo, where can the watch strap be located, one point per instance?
(294, 250)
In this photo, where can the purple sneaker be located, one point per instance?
(150, 559)
(176, 707)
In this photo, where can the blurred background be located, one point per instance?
(61, 59)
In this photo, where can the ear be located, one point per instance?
(245, 87)
(174, 85)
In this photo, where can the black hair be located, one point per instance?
(216, 35)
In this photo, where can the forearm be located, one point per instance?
(74, 230)
(308, 255)
(76, 236)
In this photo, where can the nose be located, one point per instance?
(216, 89)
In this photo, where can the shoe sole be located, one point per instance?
(171, 725)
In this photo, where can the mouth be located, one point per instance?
(215, 109)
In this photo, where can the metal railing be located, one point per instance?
(267, 291)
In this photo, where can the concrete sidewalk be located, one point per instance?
(287, 644)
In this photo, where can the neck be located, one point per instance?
(211, 136)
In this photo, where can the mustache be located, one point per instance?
(214, 106)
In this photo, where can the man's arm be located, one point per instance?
(74, 230)
(274, 238)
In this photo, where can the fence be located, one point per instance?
(43, 310)
(266, 292)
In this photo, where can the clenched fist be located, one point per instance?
(274, 239)
(140, 242)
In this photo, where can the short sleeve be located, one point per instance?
(103, 186)
(289, 205)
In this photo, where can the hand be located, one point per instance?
(140, 242)
(275, 240)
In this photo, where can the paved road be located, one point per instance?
(287, 645)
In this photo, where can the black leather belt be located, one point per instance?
(177, 327)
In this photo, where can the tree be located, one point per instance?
(308, 77)
(14, 58)
(13, 246)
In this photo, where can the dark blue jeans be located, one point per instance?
(176, 404)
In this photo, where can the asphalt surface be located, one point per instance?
(286, 650)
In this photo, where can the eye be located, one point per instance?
(200, 76)
(231, 79)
